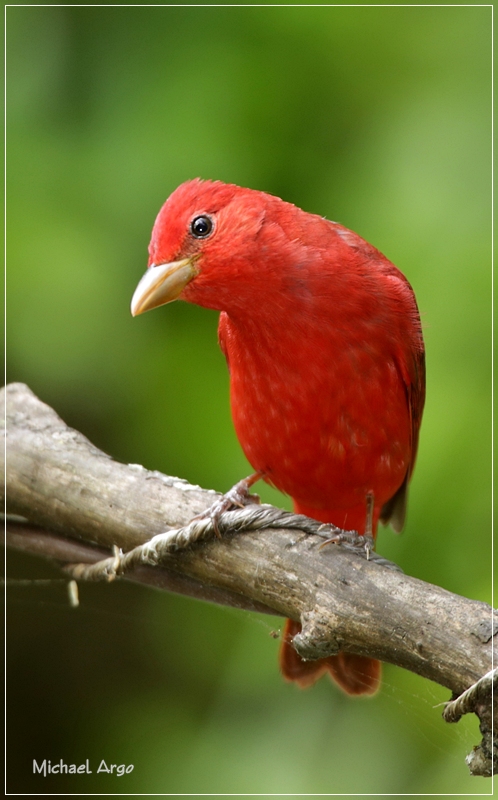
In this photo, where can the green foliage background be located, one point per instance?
(378, 117)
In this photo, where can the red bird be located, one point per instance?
(324, 346)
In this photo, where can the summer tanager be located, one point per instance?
(324, 346)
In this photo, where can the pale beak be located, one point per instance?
(161, 284)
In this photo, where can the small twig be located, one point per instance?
(202, 529)
(32, 539)
(466, 703)
(479, 699)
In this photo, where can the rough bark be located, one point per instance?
(58, 480)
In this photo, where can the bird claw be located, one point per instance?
(236, 497)
(363, 543)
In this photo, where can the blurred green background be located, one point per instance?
(377, 117)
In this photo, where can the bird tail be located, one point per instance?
(354, 674)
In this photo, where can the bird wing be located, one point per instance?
(394, 511)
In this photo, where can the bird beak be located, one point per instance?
(161, 284)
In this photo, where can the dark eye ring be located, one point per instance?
(201, 226)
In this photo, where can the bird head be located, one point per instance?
(201, 246)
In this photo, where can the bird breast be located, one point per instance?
(324, 416)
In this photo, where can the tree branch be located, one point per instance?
(60, 482)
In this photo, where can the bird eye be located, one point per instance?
(200, 227)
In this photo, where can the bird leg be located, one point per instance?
(368, 538)
(238, 496)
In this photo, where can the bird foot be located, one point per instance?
(236, 497)
(363, 543)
